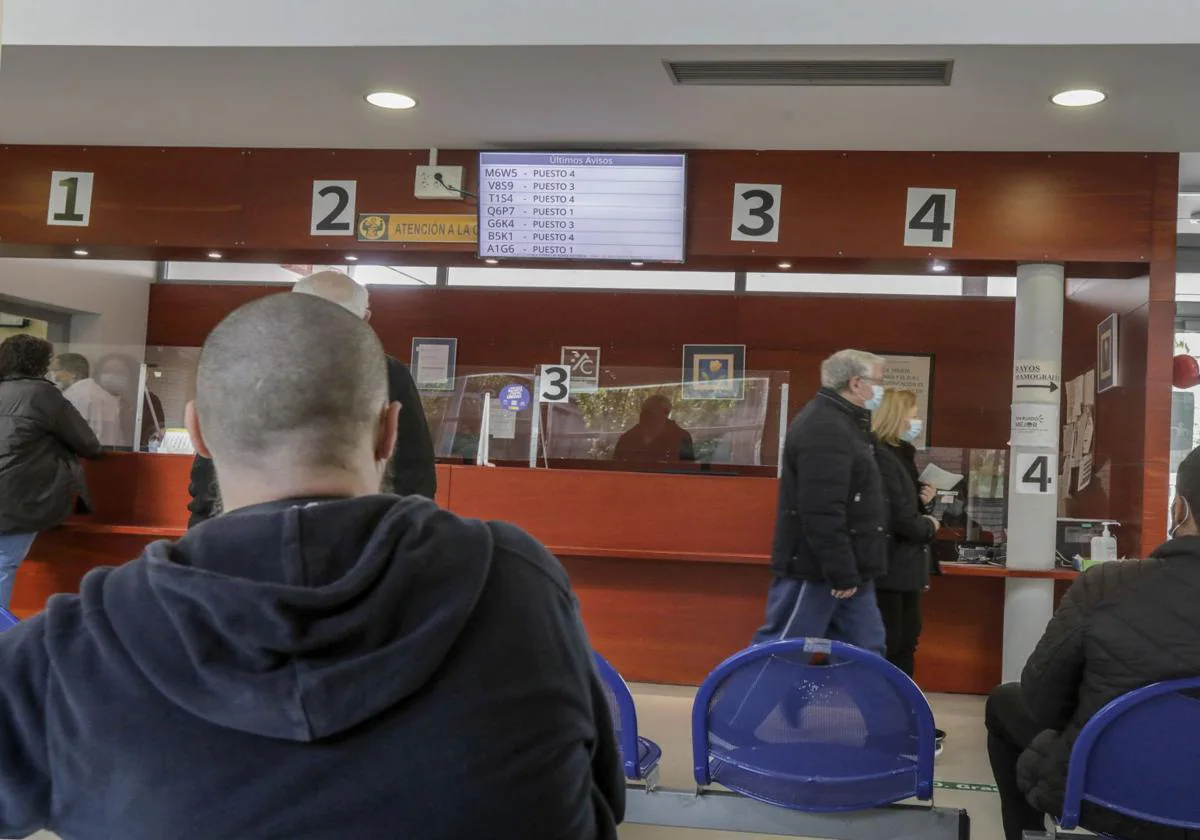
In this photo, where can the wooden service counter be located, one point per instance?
(671, 570)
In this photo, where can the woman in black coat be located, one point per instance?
(42, 437)
(896, 425)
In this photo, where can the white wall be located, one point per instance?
(108, 301)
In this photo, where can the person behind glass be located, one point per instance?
(42, 436)
(99, 408)
(896, 426)
(831, 525)
(656, 438)
(118, 374)
(1121, 626)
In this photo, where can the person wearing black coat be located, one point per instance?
(42, 437)
(1121, 626)
(831, 524)
(411, 470)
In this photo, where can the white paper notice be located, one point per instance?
(1034, 425)
(1089, 388)
(1085, 472)
(503, 422)
(941, 479)
(433, 364)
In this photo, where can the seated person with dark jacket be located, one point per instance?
(1123, 625)
(656, 438)
(321, 661)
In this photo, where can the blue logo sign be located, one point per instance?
(515, 397)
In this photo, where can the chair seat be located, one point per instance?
(816, 777)
(649, 754)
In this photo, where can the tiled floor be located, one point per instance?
(664, 715)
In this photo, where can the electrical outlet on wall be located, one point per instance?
(427, 185)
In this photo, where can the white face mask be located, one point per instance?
(914, 429)
(876, 399)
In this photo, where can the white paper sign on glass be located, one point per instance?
(433, 365)
(554, 386)
(929, 218)
(333, 208)
(756, 212)
(70, 203)
(1034, 474)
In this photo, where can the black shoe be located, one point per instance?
(939, 737)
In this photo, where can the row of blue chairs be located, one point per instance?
(821, 726)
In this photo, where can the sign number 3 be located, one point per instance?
(756, 212)
(555, 384)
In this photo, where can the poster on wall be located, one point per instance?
(433, 363)
(585, 368)
(912, 372)
(714, 371)
(1106, 353)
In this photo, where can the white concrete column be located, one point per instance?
(1032, 503)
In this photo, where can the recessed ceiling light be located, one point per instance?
(80, 252)
(351, 258)
(492, 262)
(939, 266)
(637, 264)
(1078, 98)
(785, 265)
(391, 100)
(214, 255)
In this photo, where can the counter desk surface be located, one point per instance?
(671, 571)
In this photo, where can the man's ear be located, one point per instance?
(385, 437)
(191, 422)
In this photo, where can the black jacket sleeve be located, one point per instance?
(73, 431)
(1052, 676)
(412, 466)
(904, 520)
(823, 472)
(202, 486)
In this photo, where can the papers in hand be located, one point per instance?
(941, 479)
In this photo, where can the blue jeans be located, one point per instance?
(797, 609)
(13, 548)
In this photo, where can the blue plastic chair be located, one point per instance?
(850, 734)
(640, 755)
(1138, 756)
(7, 620)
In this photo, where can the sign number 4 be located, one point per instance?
(929, 216)
(1034, 475)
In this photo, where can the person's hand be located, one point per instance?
(928, 493)
(843, 594)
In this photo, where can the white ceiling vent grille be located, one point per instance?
(814, 73)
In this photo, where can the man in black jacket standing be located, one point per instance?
(831, 527)
(1122, 625)
(411, 471)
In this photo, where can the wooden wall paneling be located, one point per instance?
(60, 558)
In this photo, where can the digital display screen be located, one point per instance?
(575, 206)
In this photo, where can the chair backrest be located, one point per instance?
(848, 732)
(624, 715)
(1140, 756)
(7, 619)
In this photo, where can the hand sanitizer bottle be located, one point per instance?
(1104, 547)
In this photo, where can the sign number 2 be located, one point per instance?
(756, 212)
(929, 218)
(1034, 475)
(333, 208)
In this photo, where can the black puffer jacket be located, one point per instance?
(410, 472)
(831, 524)
(911, 531)
(42, 437)
(1122, 625)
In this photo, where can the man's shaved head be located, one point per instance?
(291, 382)
(335, 287)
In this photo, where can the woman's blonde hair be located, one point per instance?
(890, 420)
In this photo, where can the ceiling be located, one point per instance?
(589, 96)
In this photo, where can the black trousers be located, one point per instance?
(1010, 730)
(901, 613)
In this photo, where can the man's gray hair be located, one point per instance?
(335, 287)
(844, 365)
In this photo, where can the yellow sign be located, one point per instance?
(397, 227)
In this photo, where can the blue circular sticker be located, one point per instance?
(515, 397)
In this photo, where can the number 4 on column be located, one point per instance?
(70, 203)
(929, 218)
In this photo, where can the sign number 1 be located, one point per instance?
(1034, 475)
(929, 216)
(70, 202)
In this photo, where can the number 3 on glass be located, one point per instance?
(70, 202)
(929, 218)
(756, 212)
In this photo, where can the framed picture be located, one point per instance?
(912, 372)
(433, 363)
(714, 371)
(1106, 354)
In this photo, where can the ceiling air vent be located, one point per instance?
(816, 73)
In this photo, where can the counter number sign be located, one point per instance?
(554, 386)
(1034, 474)
(756, 212)
(929, 218)
(333, 210)
(70, 202)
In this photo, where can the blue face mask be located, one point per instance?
(914, 430)
(876, 398)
